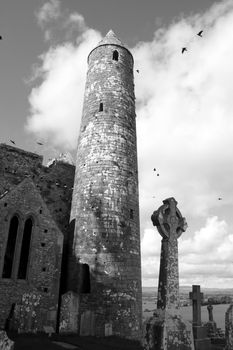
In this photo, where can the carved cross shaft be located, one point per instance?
(170, 225)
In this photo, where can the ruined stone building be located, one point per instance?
(69, 236)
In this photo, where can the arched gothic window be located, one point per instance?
(25, 247)
(10, 248)
(115, 55)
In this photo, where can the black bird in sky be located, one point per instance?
(184, 49)
(157, 174)
(39, 143)
(0, 37)
(137, 70)
(200, 33)
(219, 198)
(12, 142)
(154, 169)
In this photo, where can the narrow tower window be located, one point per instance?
(10, 248)
(101, 107)
(24, 255)
(131, 214)
(115, 55)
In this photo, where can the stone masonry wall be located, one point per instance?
(229, 327)
(105, 199)
(29, 189)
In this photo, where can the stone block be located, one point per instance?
(166, 329)
(69, 313)
(108, 329)
(202, 344)
(199, 332)
(201, 341)
(87, 325)
(5, 342)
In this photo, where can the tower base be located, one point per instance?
(167, 330)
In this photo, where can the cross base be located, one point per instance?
(167, 330)
(201, 341)
(202, 344)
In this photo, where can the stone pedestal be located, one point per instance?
(167, 330)
(201, 342)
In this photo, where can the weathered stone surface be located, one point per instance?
(167, 330)
(106, 244)
(33, 314)
(170, 225)
(69, 313)
(196, 297)
(105, 199)
(87, 323)
(216, 334)
(29, 189)
(229, 328)
(211, 324)
(199, 331)
(210, 312)
(5, 342)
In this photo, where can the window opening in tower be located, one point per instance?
(115, 55)
(101, 107)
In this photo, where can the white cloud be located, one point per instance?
(48, 12)
(184, 108)
(184, 126)
(56, 101)
(58, 24)
(78, 19)
(56, 104)
(204, 258)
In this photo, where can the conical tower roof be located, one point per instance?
(110, 39)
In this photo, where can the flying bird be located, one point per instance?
(219, 198)
(154, 169)
(12, 142)
(184, 49)
(137, 70)
(157, 174)
(200, 33)
(39, 143)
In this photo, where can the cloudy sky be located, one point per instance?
(184, 108)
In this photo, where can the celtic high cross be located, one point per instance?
(170, 225)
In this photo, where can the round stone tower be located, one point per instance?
(105, 206)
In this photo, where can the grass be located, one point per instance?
(42, 341)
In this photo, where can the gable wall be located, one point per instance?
(28, 187)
